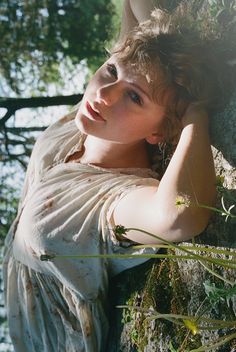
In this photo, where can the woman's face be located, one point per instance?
(117, 106)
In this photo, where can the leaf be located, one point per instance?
(217, 294)
(172, 348)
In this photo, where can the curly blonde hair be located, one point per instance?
(181, 65)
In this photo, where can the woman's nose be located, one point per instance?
(109, 94)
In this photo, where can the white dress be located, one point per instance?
(66, 209)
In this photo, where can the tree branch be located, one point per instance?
(16, 130)
(20, 103)
(13, 104)
(6, 117)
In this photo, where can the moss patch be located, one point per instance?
(168, 287)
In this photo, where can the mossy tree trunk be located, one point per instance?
(183, 287)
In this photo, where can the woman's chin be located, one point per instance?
(80, 122)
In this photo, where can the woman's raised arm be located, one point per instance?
(189, 179)
(135, 12)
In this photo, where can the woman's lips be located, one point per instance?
(93, 114)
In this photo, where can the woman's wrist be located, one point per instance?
(135, 12)
(195, 115)
(142, 9)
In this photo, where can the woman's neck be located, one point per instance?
(108, 154)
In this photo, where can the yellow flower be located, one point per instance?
(182, 201)
(191, 326)
(220, 181)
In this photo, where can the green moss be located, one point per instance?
(163, 291)
(170, 287)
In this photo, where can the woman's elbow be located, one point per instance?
(188, 226)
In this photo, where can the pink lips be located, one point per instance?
(94, 114)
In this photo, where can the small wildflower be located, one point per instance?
(220, 183)
(46, 257)
(120, 230)
(226, 212)
(191, 326)
(182, 201)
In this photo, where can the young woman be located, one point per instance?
(91, 170)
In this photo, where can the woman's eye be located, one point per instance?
(135, 97)
(112, 70)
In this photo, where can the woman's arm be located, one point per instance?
(190, 177)
(135, 12)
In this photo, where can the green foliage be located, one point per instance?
(219, 294)
(185, 331)
(172, 348)
(214, 14)
(129, 317)
(37, 35)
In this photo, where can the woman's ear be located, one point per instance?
(155, 138)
